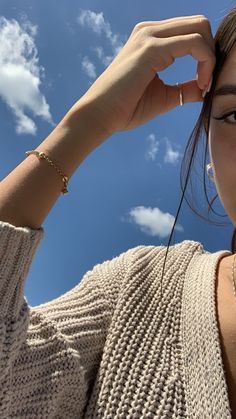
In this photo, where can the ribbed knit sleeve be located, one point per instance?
(17, 248)
(50, 354)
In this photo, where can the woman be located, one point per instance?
(119, 345)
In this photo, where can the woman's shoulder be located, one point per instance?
(181, 252)
(145, 257)
(185, 246)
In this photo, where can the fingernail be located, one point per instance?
(204, 92)
(209, 86)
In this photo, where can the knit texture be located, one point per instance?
(111, 347)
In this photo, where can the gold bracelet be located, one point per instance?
(42, 155)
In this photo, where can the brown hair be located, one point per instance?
(225, 39)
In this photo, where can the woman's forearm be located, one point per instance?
(29, 192)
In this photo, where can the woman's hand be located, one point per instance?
(130, 92)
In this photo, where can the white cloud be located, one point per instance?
(20, 74)
(97, 23)
(94, 21)
(89, 68)
(104, 59)
(171, 156)
(153, 221)
(153, 147)
(100, 52)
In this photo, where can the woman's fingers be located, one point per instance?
(130, 91)
(171, 93)
(190, 93)
(199, 30)
(179, 26)
(179, 46)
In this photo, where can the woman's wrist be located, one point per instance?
(31, 189)
(78, 133)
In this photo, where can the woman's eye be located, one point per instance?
(229, 118)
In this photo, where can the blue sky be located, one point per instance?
(127, 191)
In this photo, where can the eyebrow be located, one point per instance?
(226, 89)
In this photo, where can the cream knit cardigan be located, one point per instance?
(111, 347)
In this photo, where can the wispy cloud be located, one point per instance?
(89, 68)
(152, 221)
(96, 23)
(20, 74)
(153, 147)
(171, 156)
(103, 58)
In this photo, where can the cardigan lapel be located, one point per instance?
(205, 382)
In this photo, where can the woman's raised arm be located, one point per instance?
(29, 192)
(127, 94)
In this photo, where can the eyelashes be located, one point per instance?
(225, 118)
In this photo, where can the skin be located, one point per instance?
(222, 148)
(222, 142)
(127, 94)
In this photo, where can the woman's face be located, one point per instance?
(222, 136)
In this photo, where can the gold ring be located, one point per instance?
(181, 101)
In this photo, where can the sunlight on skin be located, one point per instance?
(222, 138)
